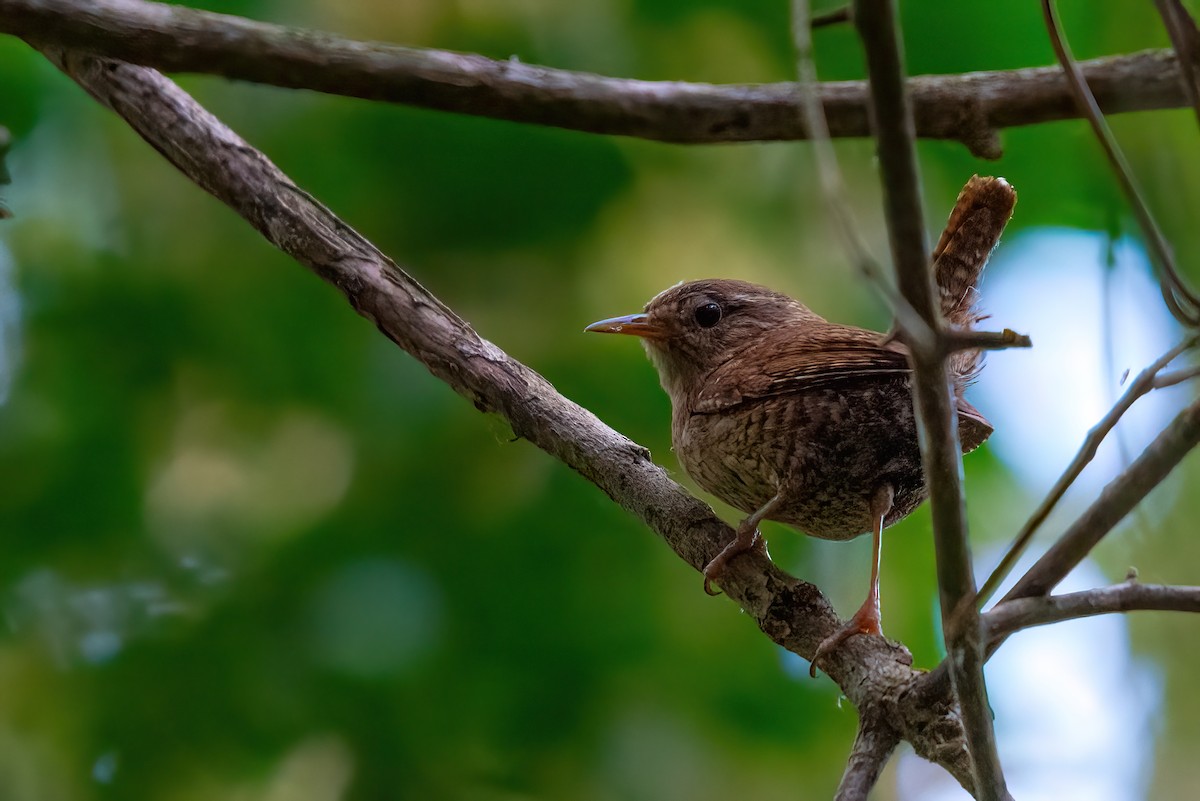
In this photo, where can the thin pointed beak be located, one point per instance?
(638, 325)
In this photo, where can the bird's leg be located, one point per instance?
(866, 620)
(747, 537)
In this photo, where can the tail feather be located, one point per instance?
(982, 210)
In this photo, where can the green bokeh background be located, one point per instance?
(253, 551)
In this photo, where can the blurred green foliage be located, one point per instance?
(253, 551)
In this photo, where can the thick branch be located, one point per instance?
(937, 422)
(871, 672)
(1023, 613)
(969, 108)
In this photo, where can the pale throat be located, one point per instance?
(674, 369)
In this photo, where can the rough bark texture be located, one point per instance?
(969, 108)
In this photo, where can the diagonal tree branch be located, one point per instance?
(969, 108)
(1164, 380)
(937, 421)
(1186, 41)
(1117, 500)
(1181, 300)
(873, 674)
(1023, 613)
(873, 746)
(1146, 381)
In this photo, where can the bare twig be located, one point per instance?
(5, 144)
(5, 178)
(968, 108)
(849, 230)
(1118, 498)
(832, 187)
(834, 17)
(1112, 332)
(873, 746)
(1023, 613)
(984, 340)
(872, 672)
(892, 118)
(1144, 383)
(1186, 41)
(1176, 377)
(1180, 299)
(875, 741)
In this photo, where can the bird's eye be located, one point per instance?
(708, 315)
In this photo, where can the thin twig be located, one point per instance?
(833, 189)
(953, 340)
(833, 17)
(892, 117)
(915, 330)
(5, 178)
(1183, 303)
(1186, 41)
(1176, 377)
(873, 746)
(1144, 383)
(1112, 333)
(969, 108)
(1118, 498)
(875, 741)
(1023, 613)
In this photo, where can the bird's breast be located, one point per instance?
(827, 450)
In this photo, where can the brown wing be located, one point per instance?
(819, 359)
(812, 358)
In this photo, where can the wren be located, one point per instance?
(789, 417)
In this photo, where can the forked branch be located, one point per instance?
(1147, 380)
(1023, 613)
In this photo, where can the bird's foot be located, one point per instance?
(865, 621)
(714, 569)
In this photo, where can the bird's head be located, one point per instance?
(694, 327)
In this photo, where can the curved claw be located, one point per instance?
(714, 569)
(865, 621)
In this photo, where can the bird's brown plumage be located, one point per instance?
(790, 417)
(774, 397)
